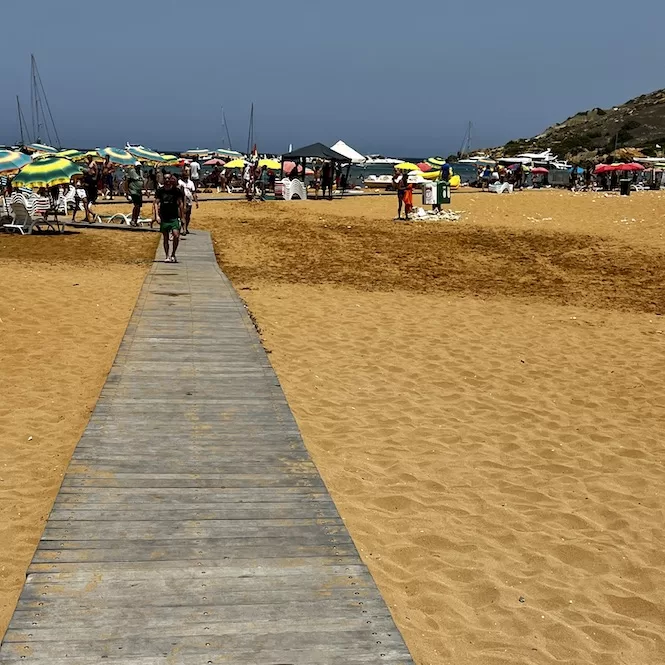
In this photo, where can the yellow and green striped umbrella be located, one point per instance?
(46, 172)
(171, 160)
(73, 155)
(145, 154)
(117, 155)
(13, 161)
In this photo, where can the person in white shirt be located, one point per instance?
(195, 171)
(189, 189)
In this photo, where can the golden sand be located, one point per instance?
(66, 301)
(484, 399)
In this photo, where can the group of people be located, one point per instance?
(174, 198)
(172, 204)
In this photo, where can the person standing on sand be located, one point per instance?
(168, 210)
(398, 184)
(408, 196)
(189, 190)
(90, 178)
(134, 190)
(195, 172)
(327, 179)
(316, 183)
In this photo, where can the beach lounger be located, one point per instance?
(501, 188)
(23, 220)
(5, 209)
(121, 218)
(29, 216)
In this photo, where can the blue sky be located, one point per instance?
(402, 78)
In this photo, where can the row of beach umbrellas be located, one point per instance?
(47, 166)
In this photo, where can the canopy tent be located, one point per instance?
(352, 155)
(315, 151)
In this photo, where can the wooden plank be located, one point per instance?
(192, 526)
(198, 550)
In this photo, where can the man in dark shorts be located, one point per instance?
(90, 179)
(134, 190)
(169, 210)
(327, 179)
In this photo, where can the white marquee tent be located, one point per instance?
(353, 155)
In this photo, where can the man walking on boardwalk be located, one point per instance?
(134, 189)
(169, 210)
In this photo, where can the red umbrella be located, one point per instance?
(424, 167)
(631, 166)
(539, 170)
(214, 162)
(604, 168)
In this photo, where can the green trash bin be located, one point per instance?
(436, 193)
(443, 191)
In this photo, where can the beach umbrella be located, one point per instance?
(11, 161)
(145, 154)
(604, 168)
(172, 160)
(631, 166)
(228, 153)
(407, 166)
(117, 156)
(435, 162)
(72, 155)
(214, 162)
(424, 167)
(270, 164)
(235, 164)
(46, 172)
(197, 152)
(539, 170)
(40, 147)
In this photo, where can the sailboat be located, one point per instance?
(43, 125)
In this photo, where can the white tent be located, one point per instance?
(354, 156)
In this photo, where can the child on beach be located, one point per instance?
(408, 197)
(80, 197)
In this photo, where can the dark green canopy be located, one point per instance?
(315, 151)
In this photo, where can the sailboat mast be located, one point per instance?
(226, 127)
(38, 100)
(20, 120)
(250, 134)
(466, 141)
(33, 101)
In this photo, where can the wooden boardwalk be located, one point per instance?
(192, 526)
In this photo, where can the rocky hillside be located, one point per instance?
(639, 124)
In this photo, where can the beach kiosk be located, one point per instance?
(289, 189)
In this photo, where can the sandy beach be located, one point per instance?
(65, 306)
(484, 400)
